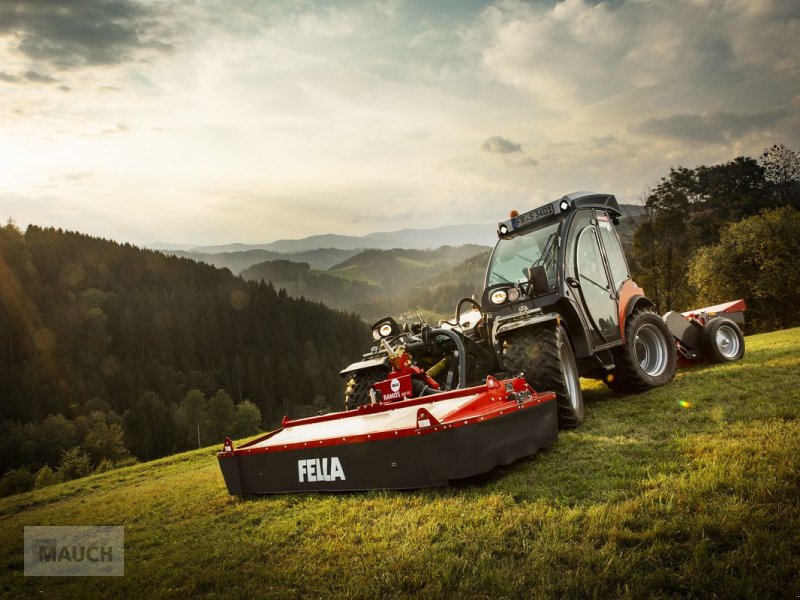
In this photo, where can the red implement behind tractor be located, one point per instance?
(708, 334)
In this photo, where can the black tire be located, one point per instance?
(544, 355)
(722, 341)
(363, 382)
(648, 357)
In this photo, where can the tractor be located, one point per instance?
(558, 304)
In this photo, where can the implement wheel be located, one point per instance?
(722, 341)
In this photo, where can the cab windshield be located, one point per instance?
(512, 256)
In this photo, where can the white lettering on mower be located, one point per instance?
(316, 469)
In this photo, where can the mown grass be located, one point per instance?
(647, 499)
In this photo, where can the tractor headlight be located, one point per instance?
(498, 297)
(564, 205)
(376, 335)
(503, 230)
(385, 330)
(513, 294)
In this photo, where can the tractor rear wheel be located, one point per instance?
(647, 359)
(363, 382)
(544, 355)
(722, 341)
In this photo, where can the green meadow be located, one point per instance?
(691, 490)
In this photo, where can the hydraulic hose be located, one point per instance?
(458, 310)
(460, 350)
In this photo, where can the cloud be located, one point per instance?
(528, 161)
(29, 77)
(76, 176)
(120, 128)
(69, 35)
(575, 53)
(35, 77)
(714, 128)
(500, 145)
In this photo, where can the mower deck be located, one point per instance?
(414, 443)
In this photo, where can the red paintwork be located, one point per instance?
(701, 317)
(401, 366)
(701, 314)
(424, 415)
(403, 385)
(491, 401)
(628, 291)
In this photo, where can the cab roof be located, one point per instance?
(558, 208)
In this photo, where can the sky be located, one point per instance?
(214, 121)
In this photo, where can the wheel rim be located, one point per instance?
(727, 341)
(651, 350)
(570, 377)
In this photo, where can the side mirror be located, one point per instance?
(537, 278)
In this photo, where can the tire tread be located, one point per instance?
(542, 372)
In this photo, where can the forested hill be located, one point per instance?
(368, 282)
(87, 323)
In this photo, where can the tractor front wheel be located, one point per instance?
(647, 359)
(544, 355)
(364, 380)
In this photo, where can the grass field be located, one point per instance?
(650, 498)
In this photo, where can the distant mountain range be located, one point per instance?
(414, 239)
(320, 258)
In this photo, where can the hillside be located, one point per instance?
(400, 269)
(320, 258)
(88, 325)
(434, 298)
(299, 280)
(650, 498)
(370, 277)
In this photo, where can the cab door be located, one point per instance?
(589, 276)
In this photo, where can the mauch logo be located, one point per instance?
(76, 551)
(320, 469)
(50, 551)
(395, 385)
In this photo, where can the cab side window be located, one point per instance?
(614, 253)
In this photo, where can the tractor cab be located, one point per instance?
(563, 258)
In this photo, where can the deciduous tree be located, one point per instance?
(755, 259)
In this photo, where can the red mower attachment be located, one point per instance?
(708, 334)
(403, 444)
